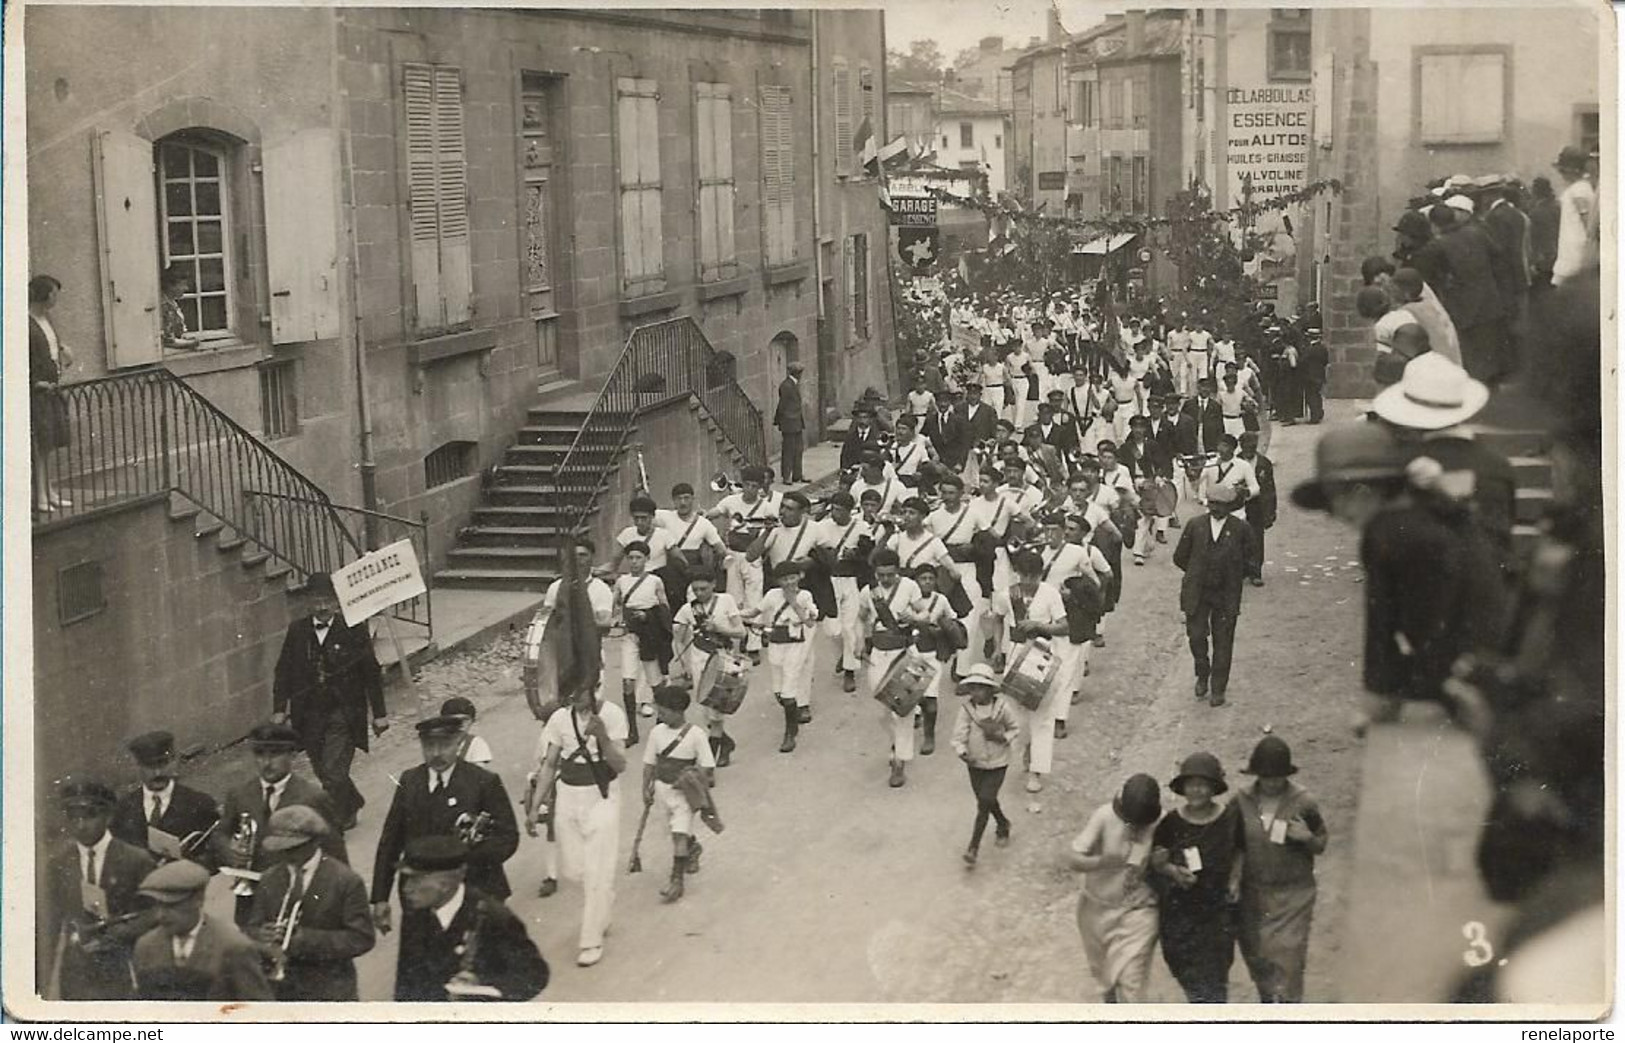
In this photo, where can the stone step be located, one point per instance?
(1524, 538)
(504, 557)
(486, 535)
(252, 559)
(1532, 471)
(546, 518)
(533, 496)
(550, 434)
(577, 472)
(1532, 504)
(553, 455)
(1511, 442)
(495, 579)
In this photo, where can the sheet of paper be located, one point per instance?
(93, 899)
(164, 845)
(1278, 831)
(1193, 859)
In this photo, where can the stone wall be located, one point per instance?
(1358, 230)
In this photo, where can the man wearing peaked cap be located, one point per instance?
(90, 883)
(327, 685)
(189, 955)
(446, 796)
(162, 816)
(1215, 554)
(326, 903)
(457, 942)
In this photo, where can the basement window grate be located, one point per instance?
(448, 463)
(79, 592)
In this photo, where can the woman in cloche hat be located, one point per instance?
(1117, 911)
(1282, 832)
(1196, 856)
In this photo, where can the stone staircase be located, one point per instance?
(1528, 451)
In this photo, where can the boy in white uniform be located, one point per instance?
(706, 624)
(1229, 470)
(1198, 358)
(790, 618)
(846, 539)
(752, 506)
(875, 475)
(1028, 610)
(692, 532)
(935, 616)
(676, 746)
(643, 530)
(639, 598)
(884, 615)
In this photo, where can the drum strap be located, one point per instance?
(627, 597)
(795, 544)
(840, 544)
(954, 528)
(688, 531)
(882, 602)
(914, 556)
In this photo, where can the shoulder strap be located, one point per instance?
(633, 589)
(688, 531)
(882, 602)
(917, 551)
(795, 544)
(954, 528)
(681, 735)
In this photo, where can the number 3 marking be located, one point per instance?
(1479, 951)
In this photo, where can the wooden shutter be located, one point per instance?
(843, 119)
(126, 214)
(642, 240)
(451, 163)
(301, 236)
(714, 148)
(723, 192)
(423, 188)
(778, 175)
(868, 101)
(849, 264)
(1462, 98)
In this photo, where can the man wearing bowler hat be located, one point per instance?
(1215, 553)
(190, 955)
(327, 681)
(459, 943)
(310, 913)
(447, 796)
(161, 816)
(89, 909)
(250, 805)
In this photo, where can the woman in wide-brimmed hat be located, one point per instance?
(1197, 858)
(1117, 911)
(1283, 832)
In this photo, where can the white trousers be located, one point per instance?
(1197, 367)
(844, 627)
(971, 654)
(1038, 726)
(644, 675)
(1067, 684)
(745, 584)
(588, 826)
(1176, 366)
(900, 730)
(790, 667)
(993, 398)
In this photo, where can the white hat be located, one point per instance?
(979, 674)
(1461, 203)
(1434, 394)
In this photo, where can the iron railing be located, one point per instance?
(138, 435)
(660, 362)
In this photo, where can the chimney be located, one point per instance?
(1136, 32)
(1053, 31)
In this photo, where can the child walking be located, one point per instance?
(675, 746)
(982, 735)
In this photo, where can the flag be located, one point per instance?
(1110, 332)
(863, 144)
(573, 631)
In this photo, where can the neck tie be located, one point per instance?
(90, 866)
(270, 798)
(435, 782)
(157, 810)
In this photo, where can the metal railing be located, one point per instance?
(123, 438)
(660, 362)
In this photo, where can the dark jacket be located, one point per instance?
(417, 813)
(341, 672)
(790, 417)
(1213, 571)
(982, 421)
(1545, 216)
(1508, 229)
(224, 966)
(1261, 508)
(1471, 294)
(1430, 261)
(48, 413)
(1162, 447)
(1063, 437)
(1211, 421)
(856, 442)
(93, 975)
(249, 798)
(952, 439)
(503, 954)
(188, 812)
(1312, 362)
(334, 927)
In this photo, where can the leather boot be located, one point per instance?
(897, 777)
(725, 750)
(694, 849)
(631, 703)
(791, 727)
(674, 890)
(928, 715)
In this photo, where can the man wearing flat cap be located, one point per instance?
(1215, 553)
(863, 435)
(310, 913)
(457, 942)
(446, 796)
(327, 682)
(274, 786)
(90, 913)
(189, 955)
(160, 815)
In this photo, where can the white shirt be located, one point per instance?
(787, 544)
(659, 540)
(911, 456)
(478, 752)
(734, 505)
(1235, 473)
(99, 849)
(638, 592)
(322, 629)
(1118, 478)
(722, 610)
(776, 611)
(599, 595)
(277, 789)
(181, 945)
(842, 539)
(559, 734)
(1200, 340)
(890, 490)
(161, 798)
(958, 526)
(1092, 512)
(448, 912)
(683, 537)
(924, 549)
(439, 780)
(1215, 526)
(898, 599)
(1063, 562)
(991, 515)
(693, 746)
(308, 870)
(1045, 607)
(1576, 252)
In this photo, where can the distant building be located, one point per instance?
(971, 135)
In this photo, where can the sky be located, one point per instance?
(958, 24)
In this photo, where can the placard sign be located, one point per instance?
(914, 211)
(374, 582)
(1267, 141)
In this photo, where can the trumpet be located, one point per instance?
(643, 472)
(242, 849)
(473, 828)
(91, 935)
(287, 921)
(721, 484)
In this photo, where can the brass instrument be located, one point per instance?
(643, 472)
(194, 840)
(473, 828)
(466, 984)
(287, 921)
(242, 849)
(722, 485)
(91, 935)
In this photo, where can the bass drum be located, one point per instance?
(724, 682)
(1160, 497)
(1031, 675)
(540, 669)
(905, 682)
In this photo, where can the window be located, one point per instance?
(777, 134)
(1289, 52)
(1083, 102)
(1116, 95)
(279, 400)
(998, 139)
(1131, 118)
(713, 110)
(966, 136)
(842, 77)
(1460, 95)
(448, 463)
(945, 141)
(857, 288)
(1114, 185)
(193, 214)
(1141, 186)
(868, 113)
(1586, 128)
(79, 592)
(1201, 88)
(643, 263)
(437, 172)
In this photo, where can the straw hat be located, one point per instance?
(1434, 394)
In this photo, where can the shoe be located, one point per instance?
(549, 888)
(44, 508)
(61, 501)
(849, 682)
(1077, 697)
(725, 750)
(1086, 674)
(629, 703)
(1001, 839)
(1173, 523)
(1060, 729)
(897, 778)
(1139, 559)
(646, 710)
(1100, 640)
(674, 889)
(803, 715)
(1257, 581)
(791, 726)
(589, 956)
(1201, 688)
(692, 865)
(1217, 700)
(755, 659)
(969, 857)
(1162, 537)
(1035, 782)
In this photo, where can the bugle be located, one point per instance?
(242, 850)
(91, 935)
(473, 828)
(287, 921)
(722, 485)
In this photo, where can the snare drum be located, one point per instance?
(1032, 673)
(724, 681)
(905, 682)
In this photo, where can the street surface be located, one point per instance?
(828, 886)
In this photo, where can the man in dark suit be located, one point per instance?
(1471, 294)
(188, 956)
(160, 815)
(863, 435)
(1052, 432)
(1215, 553)
(326, 680)
(458, 943)
(979, 416)
(1260, 509)
(324, 901)
(447, 796)
(791, 420)
(274, 786)
(949, 431)
(1209, 417)
(90, 886)
(1508, 228)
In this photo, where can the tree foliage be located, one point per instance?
(924, 62)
